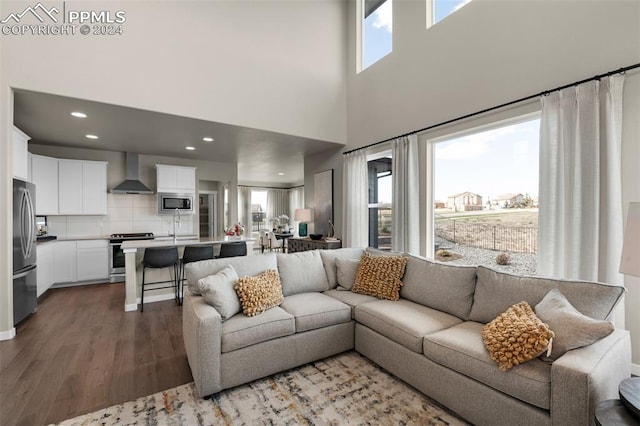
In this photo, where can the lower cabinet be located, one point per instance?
(64, 261)
(61, 262)
(92, 260)
(44, 271)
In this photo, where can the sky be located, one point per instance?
(490, 163)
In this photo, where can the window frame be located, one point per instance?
(428, 140)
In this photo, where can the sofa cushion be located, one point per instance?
(218, 291)
(346, 270)
(447, 288)
(260, 292)
(329, 261)
(572, 329)
(516, 336)
(241, 331)
(350, 298)
(244, 265)
(302, 272)
(496, 291)
(380, 276)
(403, 321)
(460, 348)
(315, 310)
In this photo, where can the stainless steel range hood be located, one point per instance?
(132, 185)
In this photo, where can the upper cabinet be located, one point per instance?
(82, 187)
(176, 179)
(69, 187)
(44, 174)
(20, 154)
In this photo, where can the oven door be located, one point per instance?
(116, 263)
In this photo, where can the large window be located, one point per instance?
(437, 10)
(380, 193)
(377, 30)
(259, 210)
(486, 197)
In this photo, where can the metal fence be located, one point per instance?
(517, 239)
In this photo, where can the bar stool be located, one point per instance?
(193, 254)
(160, 257)
(233, 249)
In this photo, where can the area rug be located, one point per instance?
(346, 389)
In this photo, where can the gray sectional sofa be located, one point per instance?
(430, 338)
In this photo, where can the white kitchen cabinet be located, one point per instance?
(176, 179)
(45, 269)
(64, 261)
(69, 187)
(44, 174)
(94, 187)
(82, 187)
(20, 154)
(92, 260)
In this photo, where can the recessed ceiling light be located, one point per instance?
(280, 174)
(207, 139)
(189, 148)
(79, 114)
(91, 137)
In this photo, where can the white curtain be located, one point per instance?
(355, 217)
(580, 215)
(244, 207)
(277, 203)
(296, 201)
(405, 223)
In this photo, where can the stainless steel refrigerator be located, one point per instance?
(24, 250)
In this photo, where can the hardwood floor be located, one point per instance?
(81, 352)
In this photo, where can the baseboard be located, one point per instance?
(149, 299)
(635, 369)
(8, 335)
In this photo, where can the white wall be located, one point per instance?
(271, 65)
(487, 53)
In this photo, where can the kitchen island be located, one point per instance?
(134, 252)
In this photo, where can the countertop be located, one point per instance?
(181, 241)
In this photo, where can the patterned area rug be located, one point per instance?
(345, 389)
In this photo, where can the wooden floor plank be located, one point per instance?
(81, 352)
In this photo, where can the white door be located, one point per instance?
(94, 188)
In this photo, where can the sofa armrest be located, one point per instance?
(202, 334)
(585, 376)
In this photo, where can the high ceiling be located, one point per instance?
(263, 157)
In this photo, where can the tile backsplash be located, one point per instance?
(127, 213)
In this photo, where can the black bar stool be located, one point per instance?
(193, 254)
(233, 249)
(160, 257)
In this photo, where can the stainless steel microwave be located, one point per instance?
(168, 203)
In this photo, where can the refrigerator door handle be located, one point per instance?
(24, 273)
(31, 222)
(22, 215)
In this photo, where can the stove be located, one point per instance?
(116, 255)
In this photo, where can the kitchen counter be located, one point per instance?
(133, 252)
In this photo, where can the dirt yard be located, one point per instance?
(501, 230)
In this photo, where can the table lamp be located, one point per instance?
(629, 389)
(303, 216)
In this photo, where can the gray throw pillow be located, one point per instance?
(218, 291)
(572, 329)
(346, 270)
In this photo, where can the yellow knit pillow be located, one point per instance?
(516, 336)
(380, 276)
(259, 293)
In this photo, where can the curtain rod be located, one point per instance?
(270, 187)
(526, 98)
